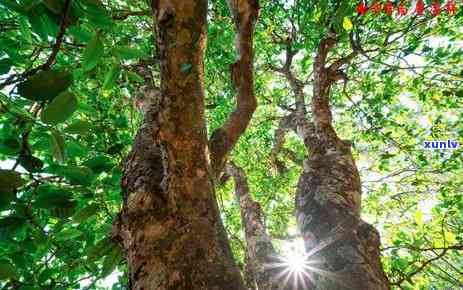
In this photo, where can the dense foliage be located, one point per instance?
(72, 75)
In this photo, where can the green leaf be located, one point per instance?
(6, 197)
(45, 85)
(80, 33)
(5, 65)
(55, 6)
(92, 53)
(97, 14)
(111, 77)
(25, 31)
(419, 218)
(42, 22)
(74, 149)
(111, 261)
(86, 212)
(8, 271)
(58, 200)
(49, 196)
(12, 5)
(78, 175)
(99, 164)
(78, 127)
(58, 146)
(10, 146)
(60, 109)
(45, 275)
(68, 234)
(100, 249)
(127, 52)
(135, 77)
(10, 226)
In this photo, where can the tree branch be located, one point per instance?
(409, 276)
(322, 83)
(59, 37)
(286, 123)
(223, 139)
(259, 249)
(302, 126)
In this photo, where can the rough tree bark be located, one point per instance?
(328, 197)
(170, 226)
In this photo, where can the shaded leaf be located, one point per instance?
(100, 163)
(127, 52)
(83, 214)
(135, 77)
(100, 249)
(45, 275)
(60, 109)
(42, 22)
(9, 226)
(49, 196)
(45, 85)
(58, 146)
(78, 175)
(12, 5)
(10, 146)
(80, 127)
(5, 65)
(10, 180)
(111, 261)
(92, 53)
(68, 234)
(55, 6)
(8, 271)
(97, 14)
(111, 77)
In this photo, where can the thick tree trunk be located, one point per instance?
(345, 248)
(170, 225)
(342, 250)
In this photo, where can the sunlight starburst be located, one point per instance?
(299, 266)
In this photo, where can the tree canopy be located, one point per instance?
(73, 77)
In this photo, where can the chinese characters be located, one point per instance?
(403, 8)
